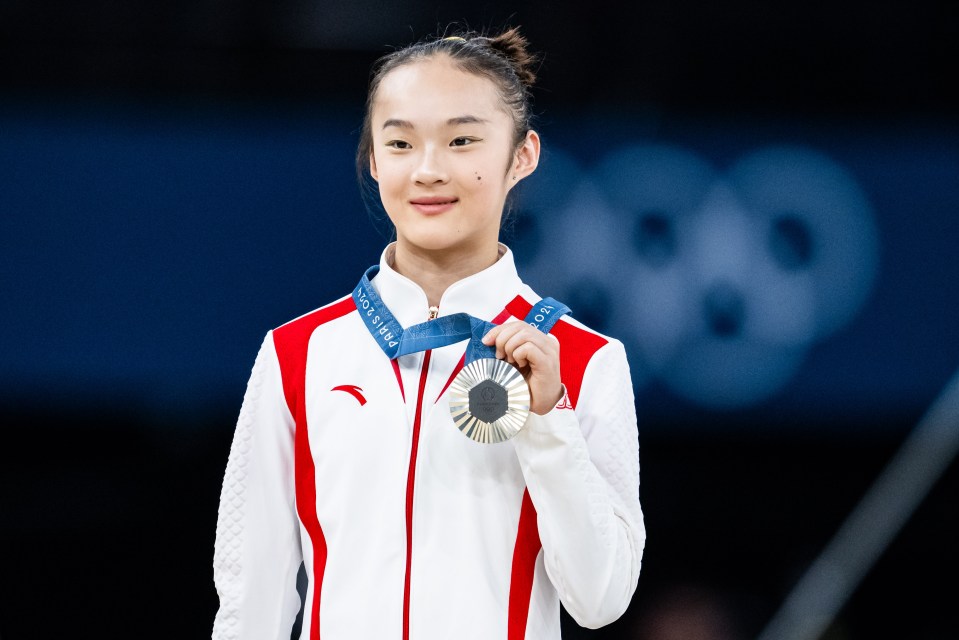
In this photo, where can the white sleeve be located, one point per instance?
(257, 550)
(582, 473)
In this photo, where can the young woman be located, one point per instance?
(346, 456)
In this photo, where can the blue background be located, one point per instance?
(147, 249)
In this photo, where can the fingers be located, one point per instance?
(500, 336)
(521, 344)
(536, 354)
(531, 349)
(522, 354)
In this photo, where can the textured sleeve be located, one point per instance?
(257, 549)
(582, 471)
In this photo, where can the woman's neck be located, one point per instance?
(435, 271)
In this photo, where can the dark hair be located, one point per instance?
(503, 59)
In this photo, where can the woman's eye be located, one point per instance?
(462, 141)
(398, 144)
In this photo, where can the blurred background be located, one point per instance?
(760, 199)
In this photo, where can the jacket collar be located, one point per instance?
(483, 294)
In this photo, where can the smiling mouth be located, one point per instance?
(432, 206)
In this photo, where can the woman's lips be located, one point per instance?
(433, 206)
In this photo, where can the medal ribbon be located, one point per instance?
(395, 341)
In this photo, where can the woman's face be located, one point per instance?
(444, 157)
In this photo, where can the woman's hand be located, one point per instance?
(536, 355)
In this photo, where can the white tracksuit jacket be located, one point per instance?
(349, 462)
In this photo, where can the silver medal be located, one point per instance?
(489, 400)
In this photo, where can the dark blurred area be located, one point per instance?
(856, 57)
(177, 178)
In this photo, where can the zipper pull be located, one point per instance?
(434, 312)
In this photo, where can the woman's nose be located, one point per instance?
(430, 169)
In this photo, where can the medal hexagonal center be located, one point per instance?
(488, 401)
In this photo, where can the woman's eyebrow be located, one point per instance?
(394, 122)
(467, 119)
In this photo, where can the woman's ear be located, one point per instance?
(526, 158)
(373, 173)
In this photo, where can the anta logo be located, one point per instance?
(353, 390)
(564, 403)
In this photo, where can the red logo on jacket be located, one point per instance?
(353, 390)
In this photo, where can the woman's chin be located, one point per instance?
(436, 243)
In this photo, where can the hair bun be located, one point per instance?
(512, 45)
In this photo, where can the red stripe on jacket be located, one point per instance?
(576, 347)
(292, 342)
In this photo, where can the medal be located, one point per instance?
(489, 400)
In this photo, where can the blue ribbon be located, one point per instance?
(395, 341)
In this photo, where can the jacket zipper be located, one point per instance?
(411, 478)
